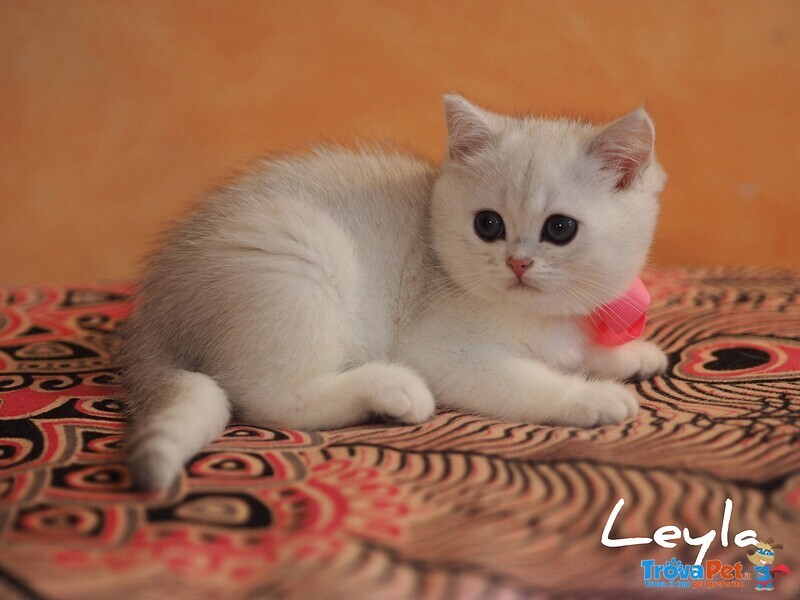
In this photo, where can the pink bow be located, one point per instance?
(621, 320)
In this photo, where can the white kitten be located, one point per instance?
(318, 291)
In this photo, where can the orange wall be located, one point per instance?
(115, 115)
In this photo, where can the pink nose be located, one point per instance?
(519, 265)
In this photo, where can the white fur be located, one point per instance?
(318, 291)
(194, 414)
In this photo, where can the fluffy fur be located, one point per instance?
(316, 292)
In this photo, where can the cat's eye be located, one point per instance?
(559, 229)
(489, 226)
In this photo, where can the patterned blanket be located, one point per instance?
(460, 507)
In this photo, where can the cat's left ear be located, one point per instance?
(469, 128)
(625, 147)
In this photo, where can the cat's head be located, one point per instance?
(552, 216)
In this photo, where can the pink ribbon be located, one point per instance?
(621, 320)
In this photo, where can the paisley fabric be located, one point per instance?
(461, 507)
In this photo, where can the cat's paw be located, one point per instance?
(634, 360)
(598, 403)
(404, 396)
(651, 361)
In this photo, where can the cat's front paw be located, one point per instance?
(651, 361)
(598, 403)
(404, 396)
(637, 360)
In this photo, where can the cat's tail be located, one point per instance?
(182, 414)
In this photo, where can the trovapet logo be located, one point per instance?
(763, 557)
(711, 574)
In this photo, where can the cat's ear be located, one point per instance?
(625, 147)
(468, 127)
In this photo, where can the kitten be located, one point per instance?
(315, 292)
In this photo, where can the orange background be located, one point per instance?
(116, 115)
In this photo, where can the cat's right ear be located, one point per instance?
(468, 127)
(625, 148)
